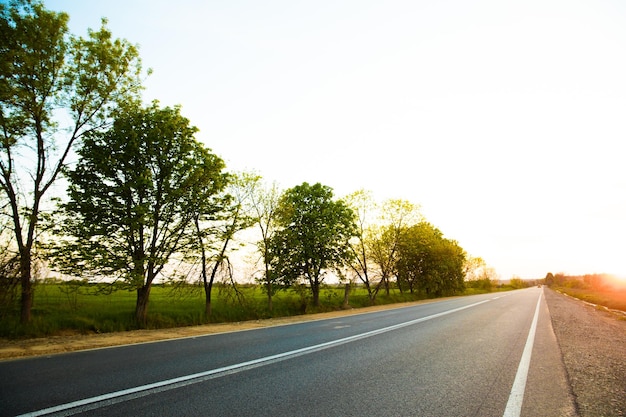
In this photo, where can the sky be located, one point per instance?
(505, 121)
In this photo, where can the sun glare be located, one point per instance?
(619, 280)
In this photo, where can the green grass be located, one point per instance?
(614, 298)
(84, 309)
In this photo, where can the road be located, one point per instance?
(486, 355)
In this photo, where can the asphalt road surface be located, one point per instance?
(486, 355)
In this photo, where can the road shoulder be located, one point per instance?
(593, 345)
(548, 391)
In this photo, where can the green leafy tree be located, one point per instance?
(474, 268)
(134, 195)
(518, 283)
(383, 238)
(428, 262)
(265, 202)
(313, 237)
(479, 275)
(413, 256)
(54, 88)
(216, 227)
(447, 274)
(363, 205)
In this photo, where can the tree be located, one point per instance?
(54, 88)
(475, 267)
(265, 200)
(396, 215)
(518, 283)
(134, 195)
(478, 274)
(313, 236)
(413, 256)
(447, 274)
(217, 225)
(362, 203)
(428, 262)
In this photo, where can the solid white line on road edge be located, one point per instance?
(140, 391)
(514, 405)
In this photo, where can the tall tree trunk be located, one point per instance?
(400, 285)
(207, 299)
(346, 297)
(315, 289)
(141, 309)
(270, 304)
(370, 292)
(27, 286)
(208, 285)
(25, 247)
(269, 280)
(372, 297)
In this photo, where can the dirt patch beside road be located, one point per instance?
(593, 345)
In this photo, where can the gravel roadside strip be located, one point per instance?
(593, 345)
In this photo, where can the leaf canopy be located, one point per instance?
(135, 192)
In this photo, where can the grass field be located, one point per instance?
(610, 297)
(65, 308)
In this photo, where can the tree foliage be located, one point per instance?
(362, 204)
(217, 225)
(133, 197)
(54, 88)
(383, 238)
(313, 237)
(428, 262)
(265, 202)
(479, 275)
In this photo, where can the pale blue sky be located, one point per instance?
(505, 120)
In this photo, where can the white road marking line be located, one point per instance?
(514, 405)
(130, 393)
